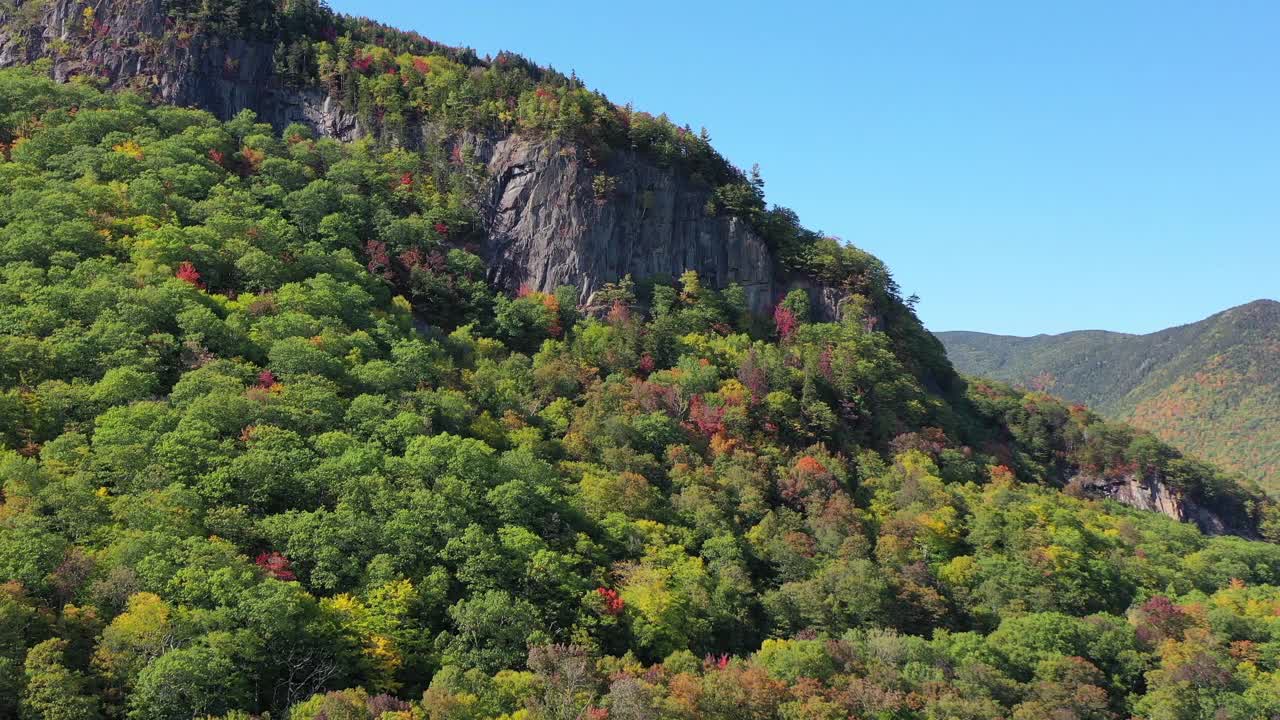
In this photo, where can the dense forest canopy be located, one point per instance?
(273, 445)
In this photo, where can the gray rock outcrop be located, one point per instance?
(549, 227)
(1155, 495)
(132, 45)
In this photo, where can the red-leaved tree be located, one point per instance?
(785, 322)
(646, 364)
(611, 602)
(276, 565)
(362, 63)
(708, 419)
(379, 259)
(187, 273)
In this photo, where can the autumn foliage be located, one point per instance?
(276, 565)
(784, 321)
(611, 603)
(187, 273)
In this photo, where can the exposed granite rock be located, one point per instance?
(132, 46)
(547, 227)
(1154, 495)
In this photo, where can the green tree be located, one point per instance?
(53, 691)
(491, 631)
(202, 679)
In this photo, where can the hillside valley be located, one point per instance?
(1211, 388)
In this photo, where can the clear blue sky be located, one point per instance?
(1023, 168)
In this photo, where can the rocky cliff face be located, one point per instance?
(548, 226)
(1154, 495)
(132, 45)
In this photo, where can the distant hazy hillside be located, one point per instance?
(1211, 387)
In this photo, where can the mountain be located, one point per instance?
(344, 374)
(633, 194)
(1211, 388)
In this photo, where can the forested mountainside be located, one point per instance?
(275, 444)
(1211, 388)
(582, 192)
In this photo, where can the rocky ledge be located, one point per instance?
(1155, 495)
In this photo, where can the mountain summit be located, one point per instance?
(1210, 387)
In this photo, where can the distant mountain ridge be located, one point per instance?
(1211, 387)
